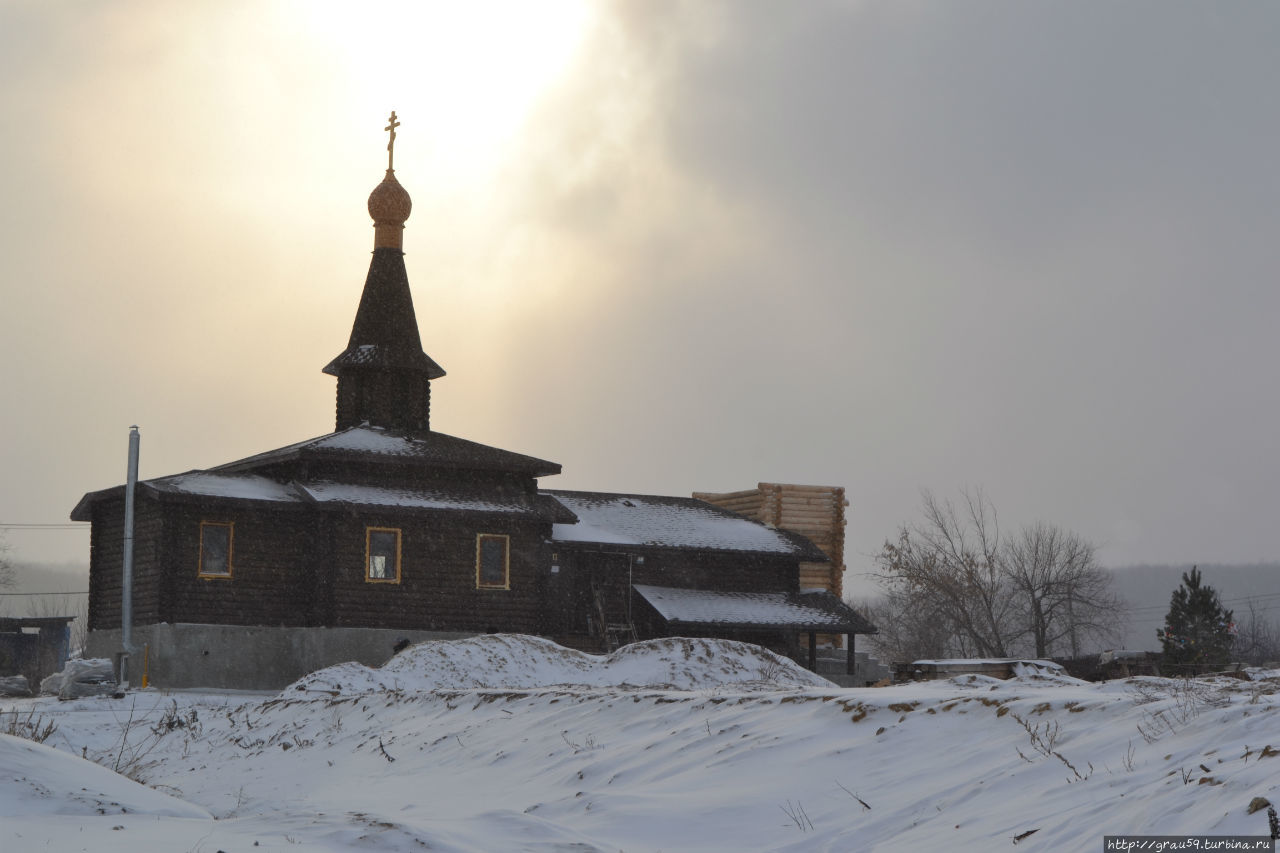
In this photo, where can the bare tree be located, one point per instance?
(1257, 637)
(1064, 595)
(950, 565)
(909, 629)
(8, 575)
(954, 587)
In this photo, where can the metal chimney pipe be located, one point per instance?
(126, 603)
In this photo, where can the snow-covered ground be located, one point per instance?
(508, 743)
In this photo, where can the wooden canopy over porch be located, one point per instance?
(809, 612)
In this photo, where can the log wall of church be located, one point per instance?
(270, 562)
(437, 590)
(292, 568)
(713, 570)
(614, 569)
(106, 562)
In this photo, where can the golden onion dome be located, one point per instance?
(389, 205)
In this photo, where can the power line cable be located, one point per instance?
(1241, 600)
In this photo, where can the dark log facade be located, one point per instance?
(306, 567)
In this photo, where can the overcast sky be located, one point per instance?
(1025, 246)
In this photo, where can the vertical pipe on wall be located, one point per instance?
(126, 602)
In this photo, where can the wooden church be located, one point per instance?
(345, 546)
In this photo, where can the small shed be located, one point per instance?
(34, 647)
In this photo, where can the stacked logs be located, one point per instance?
(815, 512)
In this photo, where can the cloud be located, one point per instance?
(904, 246)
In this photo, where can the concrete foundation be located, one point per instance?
(235, 657)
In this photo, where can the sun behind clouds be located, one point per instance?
(467, 74)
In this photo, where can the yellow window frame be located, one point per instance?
(506, 560)
(231, 539)
(368, 554)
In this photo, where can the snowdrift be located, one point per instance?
(521, 662)
(40, 780)
(511, 743)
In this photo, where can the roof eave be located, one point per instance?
(826, 627)
(343, 364)
(647, 546)
(83, 510)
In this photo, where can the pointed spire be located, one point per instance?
(383, 375)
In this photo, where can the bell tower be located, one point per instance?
(384, 377)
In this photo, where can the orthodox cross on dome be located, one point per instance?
(391, 126)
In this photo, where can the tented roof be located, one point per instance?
(379, 444)
(385, 333)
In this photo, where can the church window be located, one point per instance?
(493, 562)
(382, 555)
(215, 549)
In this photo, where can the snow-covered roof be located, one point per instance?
(254, 487)
(961, 663)
(804, 611)
(671, 522)
(422, 498)
(364, 448)
(244, 487)
(378, 444)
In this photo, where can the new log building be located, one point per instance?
(344, 546)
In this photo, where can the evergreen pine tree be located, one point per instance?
(1197, 633)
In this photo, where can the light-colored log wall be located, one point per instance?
(815, 512)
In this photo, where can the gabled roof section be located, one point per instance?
(816, 610)
(672, 522)
(386, 446)
(385, 333)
